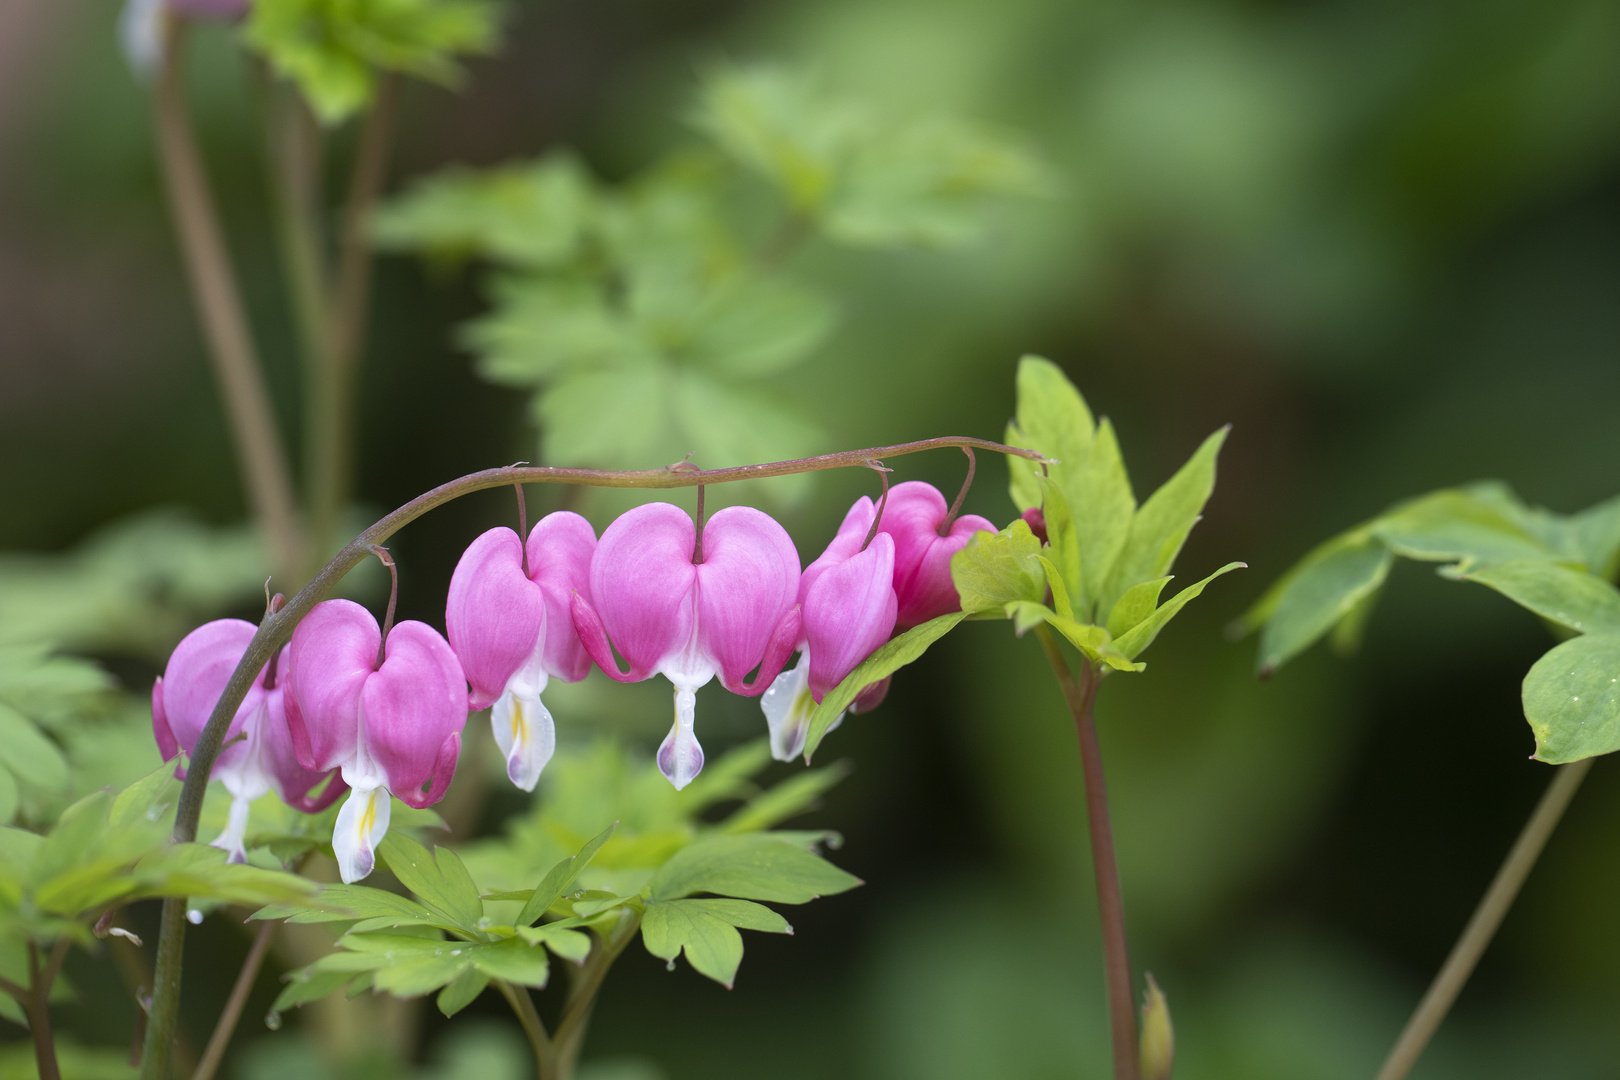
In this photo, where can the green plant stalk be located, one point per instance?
(266, 477)
(1487, 917)
(226, 1026)
(576, 1017)
(1080, 695)
(277, 629)
(523, 1005)
(37, 1004)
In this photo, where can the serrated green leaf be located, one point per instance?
(889, 657)
(340, 903)
(420, 975)
(706, 931)
(1138, 638)
(560, 877)
(540, 329)
(755, 866)
(615, 416)
(1572, 699)
(996, 569)
(1318, 593)
(514, 960)
(565, 941)
(1138, 602)
(28, 753)
(1160, 525)
(444, 884)
(1568, 596)
(727, 424)
(462, 991)
(147, 799)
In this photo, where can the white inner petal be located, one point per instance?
(523, 728)
(788, 707)
(361, 826)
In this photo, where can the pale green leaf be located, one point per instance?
(788, 799)
(889, 657)
(1138, 602)
(540, 329)
(8, 797)
(1572, 699)
(755, 866)
(1568, 596)
(514, 960)
(444, 883)
(755, 326)
(996, 569)
(462, 991)
(1139, 637)
(1160, 525)
(1453, 526)
(612, 417)
(1052, 419)
(727, 425)
(1318, 593)
(1597, 530)
(706, 930)
(560, 877)
(306, 985)
(28, 753)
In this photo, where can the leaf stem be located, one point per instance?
(38, 1006)
(1487, 917)
(260, 455)
(1080, 695)
(582, 995)
(226, 1025)
(277, 628)
(523, 1005)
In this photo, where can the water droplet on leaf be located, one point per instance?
(272, 1020)
(194, 917)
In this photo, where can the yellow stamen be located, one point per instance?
(518, 725)
(369, 818)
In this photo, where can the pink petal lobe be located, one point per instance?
(295, 784)
(168, 746)
(784, 640)
(329, 661)
(493, 613)
(561, 546)
(930, 592)
(748, 583)
(851, 535)
(411, 706)
(193, 682)
(593, 636)
(850, 612)
(642, 581)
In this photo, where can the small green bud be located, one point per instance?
(1158, 1054)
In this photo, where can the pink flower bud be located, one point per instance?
(393, 728)
(257, 754)
(513, 633)
(689, 621)
(922, 557)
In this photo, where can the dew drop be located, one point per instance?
(455, 952)
(272, 1020)
(670, 966)
(194, 917)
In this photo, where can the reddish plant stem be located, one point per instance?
(1080, 695)
(266, 477)
(967, 483)
(38, 1006)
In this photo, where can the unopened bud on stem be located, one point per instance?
(1158, 1052)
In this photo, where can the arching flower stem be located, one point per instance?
(393, 600)
(277, 629)
(967, 482)
(883, 501)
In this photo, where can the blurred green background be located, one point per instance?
(1382, 240)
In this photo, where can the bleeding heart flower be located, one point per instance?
(849, 607)
(512, 631)
(388, 715)
(256, 755)
(914, 516)
(689, 620)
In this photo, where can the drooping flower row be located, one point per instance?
(383, 709)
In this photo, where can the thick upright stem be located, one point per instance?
(570, 1037)
(259, 451)
(1080, 694)
(277, 628)
(38, 1007)
(1487, 917)
(523, 1005)
(235, 1003)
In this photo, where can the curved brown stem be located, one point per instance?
(277, 629)
(1080, 694)
(226, 1026)
(38, 1006)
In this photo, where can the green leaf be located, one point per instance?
(1572, 699)
(755, 866)
(462, 991)
(788, 799)
(1453, 526)
(560, 877)
(615, 416)
(1566, 595)
(1052, 419)
(341, 903)
(706, 931)
(201, 871)
(514, 960)
(1138, 603)
(1133, 642)
(756, 326)
(438, 879)
(889, 657)
(8, 797)
(1323, 589)
(1597, 531)
(996, 569)
(28, 753)
(564, 940)
(533, 215)
(1160, 525)
(305, 985)
(728, 425)
(147, 799)
(333, 50)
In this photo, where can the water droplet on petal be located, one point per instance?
(272, 1020)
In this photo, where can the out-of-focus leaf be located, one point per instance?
(462, 991)
(996, 569)
(788, 799)
(1323, 589)
(890, 657)
(533, 215)
(927, 184)
(541, 329)
(733, 425)
(201, 872)
(773, 121)
(1452, 526)
(1572, 699)
(752, 326)
(333, 49)
(8, 797)
(756, 866)
(1160, 525)
(29, 755)
(706, 931)
(1134, 641)
(611, 417)
(1568, 596)
(514, 960)
(305, 985)
(1597, 529)
(375, 908)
